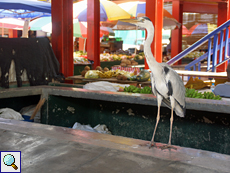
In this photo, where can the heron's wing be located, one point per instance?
(165, 101)
(177, 84)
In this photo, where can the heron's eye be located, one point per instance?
(142, 20)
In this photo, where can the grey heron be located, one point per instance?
(167, 85)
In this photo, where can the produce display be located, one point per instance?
(120, 57)
(133, 89)
(191, 93)
(128, 63)
(80, 58)
(105, 73)
(143, 76)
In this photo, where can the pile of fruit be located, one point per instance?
(128, 63)
(81, 57)
(105, 73)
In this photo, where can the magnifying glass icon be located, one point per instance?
(9, 160)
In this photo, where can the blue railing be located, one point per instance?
(217, 58)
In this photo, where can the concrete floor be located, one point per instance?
(48, 148)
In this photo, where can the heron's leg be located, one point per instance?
(157, 121)
(159, 100)
(171, 123)
(170, 134)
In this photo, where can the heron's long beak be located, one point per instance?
(133, 21)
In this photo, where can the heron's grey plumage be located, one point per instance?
(166, 83)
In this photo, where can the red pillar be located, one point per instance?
(176, 37)
(154, 11)
(222, 18)
(62, 34)
(93, 31)
(13, 33)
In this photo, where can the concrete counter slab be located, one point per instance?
(48, 148)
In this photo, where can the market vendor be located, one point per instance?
(223, 90)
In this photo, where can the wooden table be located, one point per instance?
(80, 79)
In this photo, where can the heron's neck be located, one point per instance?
(152, 63)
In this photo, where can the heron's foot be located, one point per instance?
(150, 144)
(168, 146)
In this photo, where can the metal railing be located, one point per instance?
(218, 54)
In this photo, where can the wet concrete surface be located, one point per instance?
(48, 148)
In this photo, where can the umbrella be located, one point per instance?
(79, 28)
(185, 31)
(137, 9)
(12, 23)
(38, 23)
(108, 11)
(119, 25)
(202, 29)
(24, 8)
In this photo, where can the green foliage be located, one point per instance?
(192, 93)
(133, 89)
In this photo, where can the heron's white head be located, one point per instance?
(143, 22)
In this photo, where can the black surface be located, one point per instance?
(34, 55)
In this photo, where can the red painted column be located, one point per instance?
(13, 33)
(62, 34)
(222, 18)
(93, 31)
(176, 37)
(154, 11)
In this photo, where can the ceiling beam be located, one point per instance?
(190, 7)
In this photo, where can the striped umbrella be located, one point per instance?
(137, 9)
(79, 28)
(108, 11)
(12, 23)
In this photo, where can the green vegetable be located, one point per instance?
(192, 93)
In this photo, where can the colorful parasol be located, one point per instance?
(108, 11)
(12, 23)
(137, 9)
(79, 28)
(202, 29)
(38, 23)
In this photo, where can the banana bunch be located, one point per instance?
(192, 93)
(122, 72)
(107, 74)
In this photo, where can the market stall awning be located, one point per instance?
(24, 8)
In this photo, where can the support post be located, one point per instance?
(223, 9)
(154, 11)
(176, 37)
(62, 34)
(93, 31)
